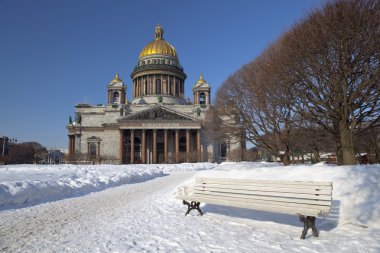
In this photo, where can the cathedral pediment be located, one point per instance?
(158, 113)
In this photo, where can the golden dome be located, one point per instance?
(116, 79)
(158, 46)
(201, 84)
(201, 80)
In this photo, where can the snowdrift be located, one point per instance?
(22, 185)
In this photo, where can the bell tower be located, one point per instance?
(116, 91)
(201, 92)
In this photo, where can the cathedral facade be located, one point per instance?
(159, 125)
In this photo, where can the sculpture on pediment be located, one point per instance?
(157, 114)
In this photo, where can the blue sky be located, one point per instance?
(55, 54)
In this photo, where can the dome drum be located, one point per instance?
(160, 69)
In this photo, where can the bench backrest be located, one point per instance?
(291, 197)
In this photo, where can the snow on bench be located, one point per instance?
(304, 198)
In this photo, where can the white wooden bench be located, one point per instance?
(304, 198)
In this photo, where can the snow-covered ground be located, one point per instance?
(133, 209)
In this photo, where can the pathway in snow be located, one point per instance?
(86, 224)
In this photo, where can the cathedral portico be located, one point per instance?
(159, 145)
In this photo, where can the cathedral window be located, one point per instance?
(137, 149)
(202, 98)
(182, 144)
(115, 97)
(92, 150)
(158, 86)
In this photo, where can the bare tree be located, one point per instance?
(27, 152)
(369, 142)
(255, 101)
(333, 59)
(312, 140)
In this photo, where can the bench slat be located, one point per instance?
(266, 198)
(246, 184)
(261, 189)
(275, 182)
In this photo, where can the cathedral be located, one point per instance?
(159, 125)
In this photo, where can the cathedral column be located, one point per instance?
(98, 153)
(143, 146)
(145, 85)
(162, 85)
(176, 145)
(122, 147)
(168, 85)
(154, 145)
(135, 88)
(132, 145)
(165, 145)
(71, 152)
(154, 84)
(187, 145)
(174, 86)
(139, 85)
(199, 145)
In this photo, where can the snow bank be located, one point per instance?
(22, 185)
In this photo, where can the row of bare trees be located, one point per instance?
(318, 85)
(25, 153)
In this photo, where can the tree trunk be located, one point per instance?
(286, 159)
(377, 155)
(317, 157)
(339, 153)
(286, 156)
(347, 148)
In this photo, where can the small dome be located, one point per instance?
(158, 46)
(201, 83)
(116, 79)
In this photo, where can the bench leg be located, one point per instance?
(308, 222)
(192, 205)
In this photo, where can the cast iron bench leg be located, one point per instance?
(308, 222)
(192, 205)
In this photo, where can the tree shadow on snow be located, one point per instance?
(323, 223)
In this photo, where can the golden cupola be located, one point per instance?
(116, 91)
(158, 46)
(202, 91)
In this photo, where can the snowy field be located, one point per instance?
(68, 208)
